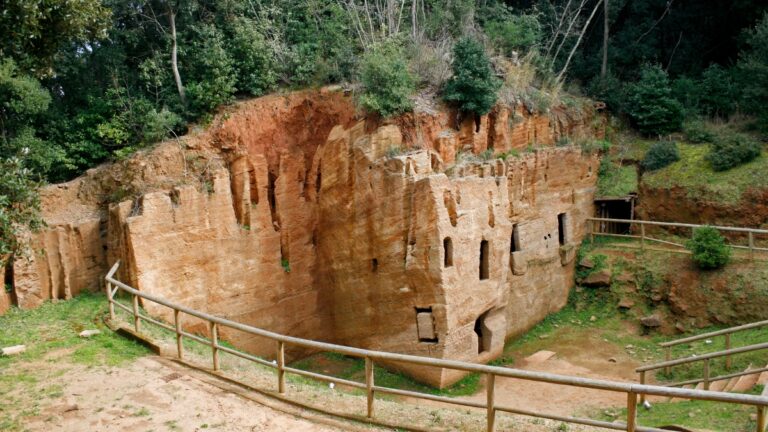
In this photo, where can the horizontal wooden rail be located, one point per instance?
(632, 390)
(702, 357)
(679, 225)
(719, 378)
(712, 334)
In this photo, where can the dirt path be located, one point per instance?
(582, 354)
(151, 394)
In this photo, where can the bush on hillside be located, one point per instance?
(697, 132)
(473, 85)
(731, 150)
(753, 69)
(660, 155)
(651, 106)
(256, 67)
(709, 248)
(387, 82)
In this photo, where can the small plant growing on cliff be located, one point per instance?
(709, 248)
(473, 86)
(731, 150)
(286, 265)
(19, 206)
(660, 155)
(387, 82)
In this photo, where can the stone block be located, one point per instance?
(425, 324)
(567, 253)
(519, 263)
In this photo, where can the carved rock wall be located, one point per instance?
(305, 219)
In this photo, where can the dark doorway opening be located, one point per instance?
(447, 252)
(615, 208)
(562, 225)
(484, 252)
(483, 339)
(8, 282)
(514, 242)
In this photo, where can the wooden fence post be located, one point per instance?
(751, 246)
(111, 299)
(215, 345)
(727, 347)
(642, 236)
(490, 384)
(179, 341)
(632, 411)
(280, 367)
(667, 357)
(136, 321)
(369, 385)
(706, 374)
(642, 382)
(761, 420)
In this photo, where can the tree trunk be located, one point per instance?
(578, 41)
(604, 67)
(174, 58)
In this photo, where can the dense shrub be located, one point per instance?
(687, 91)
(515, 34)
(473, 86)
(731, 150)
(660, 155)
(709, 248)
(651, 106)
(19, 204)
(697, 132)
(211, 73)
(608, 89)
(387, 82)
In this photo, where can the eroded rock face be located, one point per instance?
(311, 222)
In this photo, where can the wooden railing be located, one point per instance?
(491, 407)
(706, 360)
(596, 226)
(724, 332)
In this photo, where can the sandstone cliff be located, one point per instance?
(294, 214)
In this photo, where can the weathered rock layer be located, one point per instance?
(294, 215)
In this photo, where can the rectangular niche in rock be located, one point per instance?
(447, 252)
(425, 325)
(562, 228)
(484, 257)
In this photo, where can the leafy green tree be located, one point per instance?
(515, 33)
(661, 154)
(473, 86)
(255, 64)
(753, 68)
(650, 103)
(718, 93)
(210, 74)
(35, 30)
(731, 150)
(709, 248)
(387, 83)
(19, 205)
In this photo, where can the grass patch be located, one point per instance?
(692, 414)
(615, 180)
(352, 368)
(55, 326)
(694, 173)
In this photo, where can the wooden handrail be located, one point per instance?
(702, 357)
(630, 389)
(729, 330)
(679, 225)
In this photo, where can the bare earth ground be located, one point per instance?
(152, 394)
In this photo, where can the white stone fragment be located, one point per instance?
(13, 350)
(89, 333)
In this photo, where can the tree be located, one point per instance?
(651, 106)
(717, 93)
(34, 31)
(709, 248)
(473, 86)
(387, 82)
(753, 67)
(19, 205)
